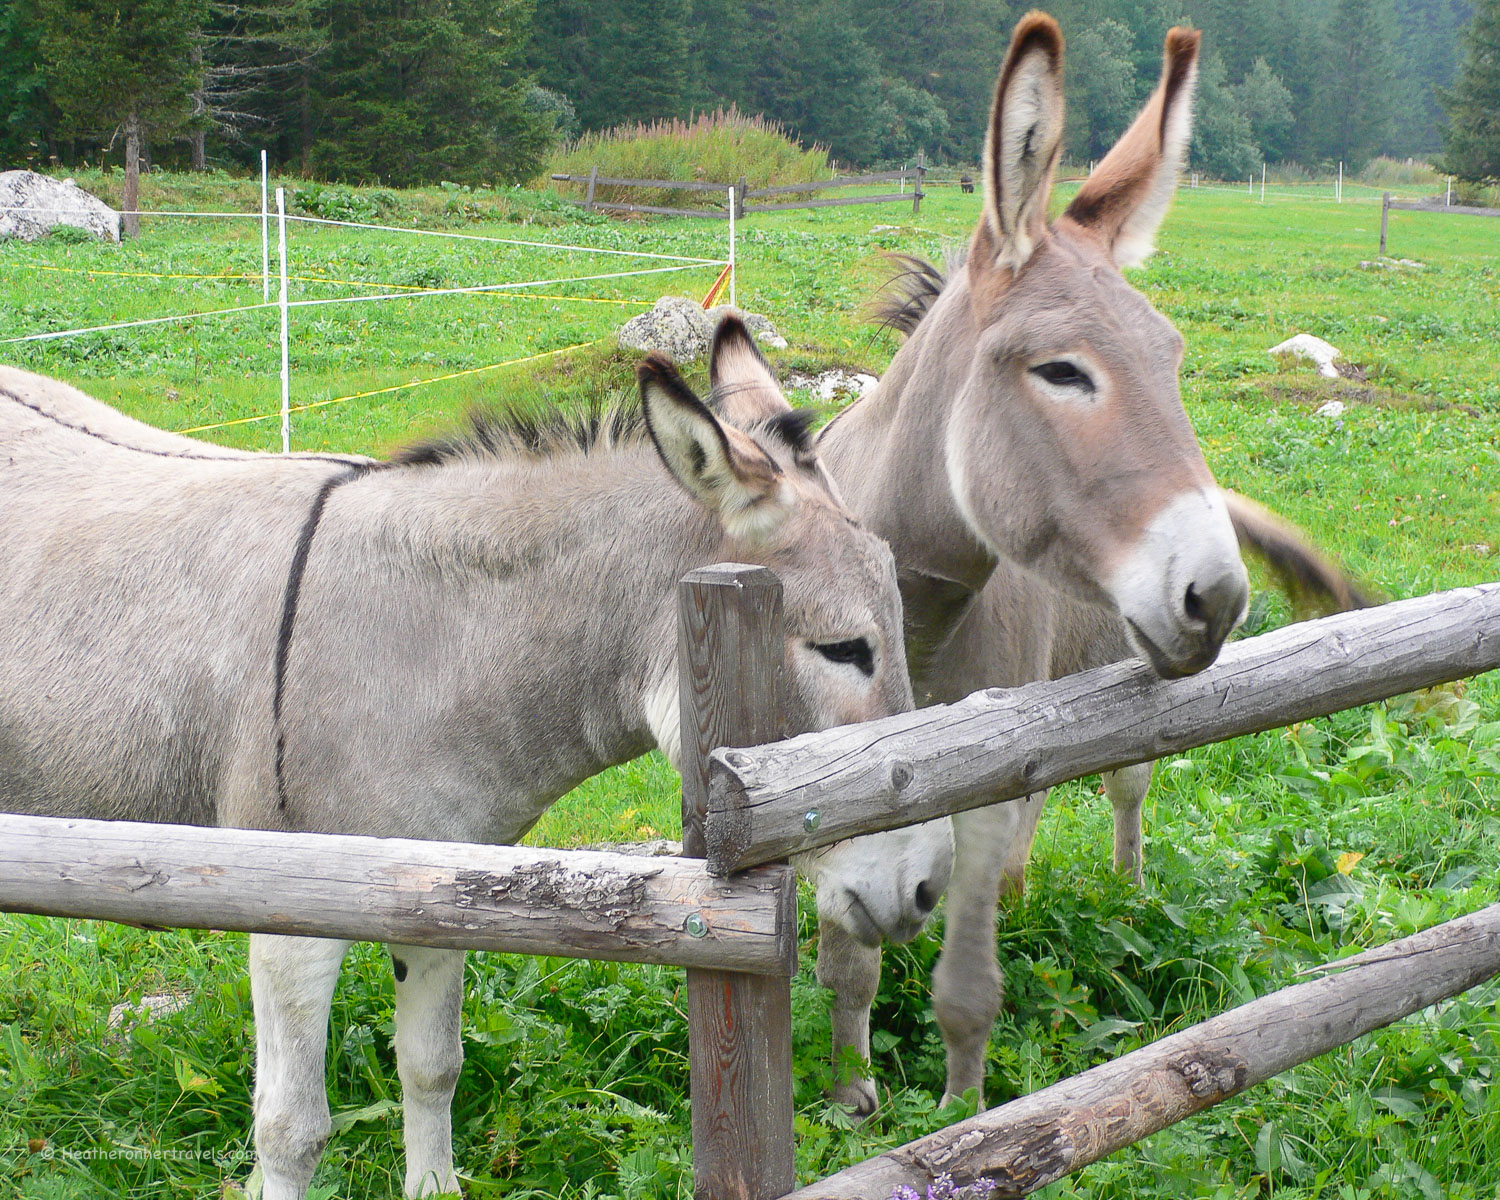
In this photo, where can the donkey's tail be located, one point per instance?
(1309, 578)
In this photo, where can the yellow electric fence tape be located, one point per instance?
(395, 388)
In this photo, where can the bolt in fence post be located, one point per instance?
(1385, 220)
(286, 359)
(588, 201)
(731, 650)
(265, 235)
(916, 198)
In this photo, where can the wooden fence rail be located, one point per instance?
(572, 903)
(1036, 1139)
(1425, 206)
(1005, 743)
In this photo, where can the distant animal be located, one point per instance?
(1029, 460)
(966, 184)
(437, 645)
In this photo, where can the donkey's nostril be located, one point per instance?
(1193, 605)
(926, 898)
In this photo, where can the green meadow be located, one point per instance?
(1264, 855)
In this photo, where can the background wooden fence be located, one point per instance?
(746, 809)
(1432, 206)
(743, 193)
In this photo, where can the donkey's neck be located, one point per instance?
(889, 452)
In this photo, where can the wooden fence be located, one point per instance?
(1428, 206)
(743, 193)
(746, 809)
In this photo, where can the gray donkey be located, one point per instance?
(434, 646)
(1028, 457)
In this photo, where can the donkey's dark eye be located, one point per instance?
(1063, 374)
(856, 652)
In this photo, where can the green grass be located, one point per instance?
(1264, 855)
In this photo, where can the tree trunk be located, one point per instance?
(304, 103)
(132, 201)
(200, 151)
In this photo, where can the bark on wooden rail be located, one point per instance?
(999, 744)
(1032, 1141)
(575, 903)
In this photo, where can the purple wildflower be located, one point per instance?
(941, 1188)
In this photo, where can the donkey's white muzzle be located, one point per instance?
(1184, 588)
(883, 886)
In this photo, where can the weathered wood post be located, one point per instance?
(588, 201)
(731, 649)
(740, 189)
(916, 196)
(1385, 219)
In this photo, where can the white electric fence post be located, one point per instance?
(733, 298)
(1448, 201)
(265, 235)
(1262, 183)
(1341, 183)
(286, 359)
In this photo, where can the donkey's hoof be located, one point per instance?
(858, 1098)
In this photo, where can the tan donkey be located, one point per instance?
(1028, 458)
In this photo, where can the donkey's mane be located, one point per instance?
(517, 433)
(909, 295)
(520, 433)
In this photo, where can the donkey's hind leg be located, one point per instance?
(1126, 789)
(291, 985)
(990, 849)
(429, 1055)
(852, 971)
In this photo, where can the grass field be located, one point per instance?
(1263, 855)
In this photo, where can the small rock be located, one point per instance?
(833, 385)
(683, 329)
(148, 1009)
(1311, 349)
(1332, 410)
(33, 205)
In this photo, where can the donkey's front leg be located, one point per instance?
(991, 846)
(429, 1056)
(852, 970)
(1126, 789)
(291, 986)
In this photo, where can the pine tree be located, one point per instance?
(1354, 104)
(1102, 88)
(111, 65)
(27, 114)
(1471, 142)
(417, 91)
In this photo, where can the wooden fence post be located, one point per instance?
(740, 189)
(1385, 220)
(731, 648)
(916, 197)
(588, 202)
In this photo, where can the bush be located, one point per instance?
(366, 206)
(719, 147)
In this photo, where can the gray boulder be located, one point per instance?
(32, 205)
(682, 328)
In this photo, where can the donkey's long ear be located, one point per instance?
(720, 466)
(1023, 144)
(1129, 192)
(745, 387)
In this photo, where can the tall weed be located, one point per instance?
(723, 146)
